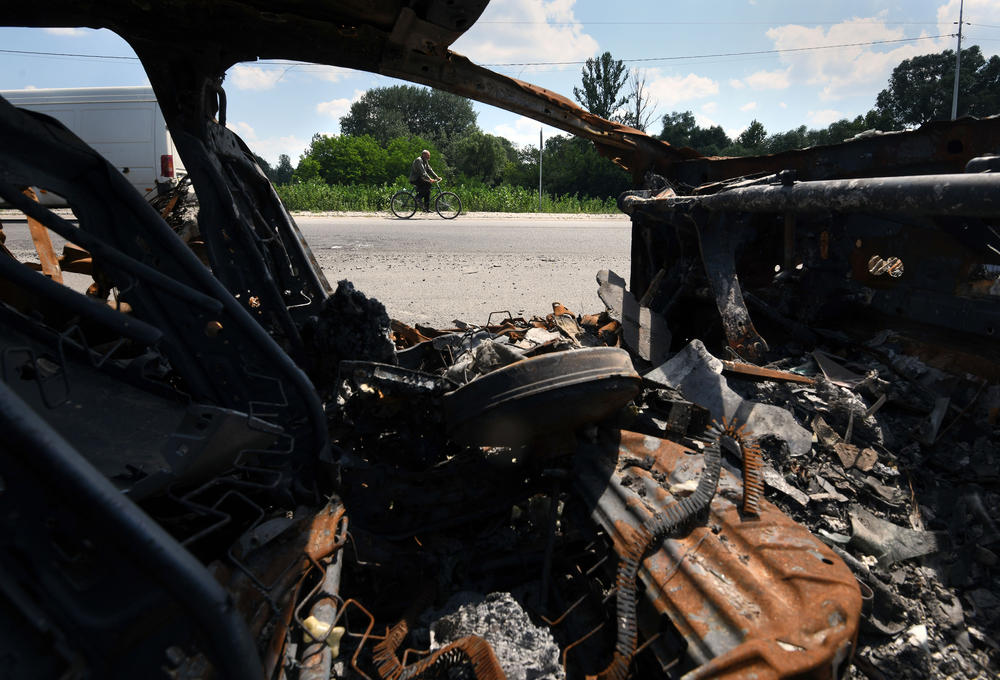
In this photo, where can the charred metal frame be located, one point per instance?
(939, 228)
(235, 344)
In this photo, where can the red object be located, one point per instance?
(167, 165)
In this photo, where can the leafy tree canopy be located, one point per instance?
(603, 78)
(283, 171)
(385, 113)
(920, 89)
(265, 166)
(347, 159)
(753, 137)
(480, 156)
(402, 151)
(571, 165)
(680, 129)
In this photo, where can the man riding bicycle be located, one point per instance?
(421, 177)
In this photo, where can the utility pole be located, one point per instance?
(958, 62)
(539, 169)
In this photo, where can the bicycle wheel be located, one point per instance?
(403, 204)
(448, 205)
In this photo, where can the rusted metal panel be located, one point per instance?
(763, 373)
(43, 244)
(935, 147)
(758, 598)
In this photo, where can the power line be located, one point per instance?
(736, 54)
(69, 54)
(535, 63)
(702, 23)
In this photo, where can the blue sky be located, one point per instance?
(685, 50)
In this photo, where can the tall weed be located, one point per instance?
(318, 196)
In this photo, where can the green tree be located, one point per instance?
(402, 151)
(920, 89)
(386, 113)
(347, 159)
(283, 171)
(479, 155)
(265, 166)
(680, 129)
(307, 170)
(522, 167)
(603, 78)
(753, 137)
(571, 165)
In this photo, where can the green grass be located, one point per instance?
(317, 196)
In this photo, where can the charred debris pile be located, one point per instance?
(772, 455)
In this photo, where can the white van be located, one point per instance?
(123, 124)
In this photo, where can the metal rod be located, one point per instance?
(789, 263)
(39, 448)
(69, 299)
(43, 244)
(112, 256)
(539, 169)
(972, 195)
(958, 63)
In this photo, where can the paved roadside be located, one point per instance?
(10, 214)
(474, 215)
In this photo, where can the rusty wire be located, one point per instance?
(567, 649)
(753, 462)
(472, 649)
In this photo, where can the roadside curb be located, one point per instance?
(622, 217)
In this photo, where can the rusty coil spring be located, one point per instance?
(471, 651)
(753, 463)
(673, 519)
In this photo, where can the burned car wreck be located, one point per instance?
(218, 465)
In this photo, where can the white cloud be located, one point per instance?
(338, 108)
(703, 121)
(768, 80)
(335, 108)
(981, 12)
(749, 106)
(524, 131)
(843, 71)
(710, 107)
(271, 147)
(783, 105)
(246, 77)
(736, 84)
(527, 35)
(333, 74)
(824, 117)
(71, 32)
(669, 91)
(243, 129)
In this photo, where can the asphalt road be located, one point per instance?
(432, 271)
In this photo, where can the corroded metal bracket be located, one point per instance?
(718, 253)
(760, 598)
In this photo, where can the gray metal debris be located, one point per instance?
(698, 376)
(643, 330)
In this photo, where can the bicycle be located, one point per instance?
(447, 204)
